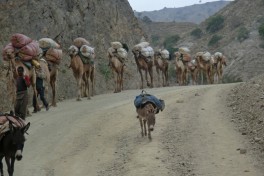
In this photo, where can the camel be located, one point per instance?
(193, 70)
(181, 69)
(220, 61)
(146, 114)
(53, 68)
(12, 75)
(118, 68)
(82, 72)
(145, 64)
(163, 66)
(204, 65)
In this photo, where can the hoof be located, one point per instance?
(89, 98)
(78, 99)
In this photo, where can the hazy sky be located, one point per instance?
(149, 5)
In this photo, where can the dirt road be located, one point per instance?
(101, 137)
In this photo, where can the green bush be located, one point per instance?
(146, 19)
(243, 34)
(261, 30)
(105, 70)
(197, 33)
(214, 40)
(215, 23)
(171, 41)
(155, 40)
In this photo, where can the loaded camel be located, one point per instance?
(82, 72)
(144, 63)
(220, 61)
(163, 66)
(193, 70)
(204, 65)
(117, 66)
(181, 69)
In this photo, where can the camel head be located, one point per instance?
(224, 60)
(136, 52)
(157, 55)
(73, 51)
(176, 55)
(9, 54)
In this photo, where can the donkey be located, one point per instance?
(11, 147)
(146, 114)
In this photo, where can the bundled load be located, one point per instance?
(118, 49)
(46, 43)
(165, 54)
(51, 50)
(82, 48)
(206, 56)
(144, 49)
(21, 47)
(218, 55)
(144, 98)
(7, 119)
(185, 54)
(79, 42)
(87, 51)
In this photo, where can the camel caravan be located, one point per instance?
(30, 54)
(203, 63)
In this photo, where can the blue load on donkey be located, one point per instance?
(144, 98)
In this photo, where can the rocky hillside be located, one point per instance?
(234, 31)
(100, 22)
(194, 13)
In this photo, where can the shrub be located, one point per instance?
(214, 40)
(105, 70)
(171, 41)
(197, 33)
(261, 30)
(155, 39)
(243, 34)
(215, 23)
(146, 19)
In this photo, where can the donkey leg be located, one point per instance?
(1, 166)
(141, 125)
(149, 134)
(145, 129)
(8, 164)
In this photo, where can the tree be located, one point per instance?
(146, 19)
(215, 23)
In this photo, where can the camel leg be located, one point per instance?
(92, 76)
(116, 82)
(122, 80)
(53, 88)
(151, 76)
(79, 87)
(146, 78)
(141, 76)
(158, 74)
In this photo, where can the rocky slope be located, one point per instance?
(100, 22)
(194, 13)
(244, 57)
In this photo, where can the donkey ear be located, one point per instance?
(24, 130)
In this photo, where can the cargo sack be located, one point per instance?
(140, 46)
(218, 55)
(144, 98)
(79, 42)
(20, 40)
(186, 57)
(206, 56)
(46, 43)
(7, 49)
(54, 55)
(87, 51)
(73, 50)
(165, 54)
(121, 52)
(27, 52)
(147, 52)
(116, 45)
(184, 50)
